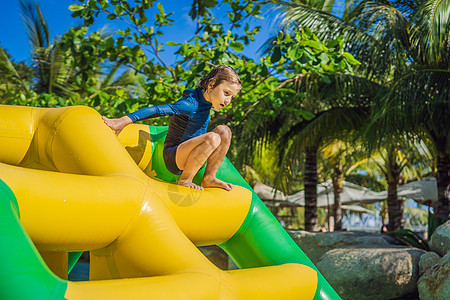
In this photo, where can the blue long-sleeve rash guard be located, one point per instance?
(189, 116)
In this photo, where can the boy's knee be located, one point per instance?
(225, 132)
(213, 139)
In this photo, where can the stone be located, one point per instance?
(216, 255)
(315, 244)
(427, 261)
(372, 273)
(434, 284)
(440, 239)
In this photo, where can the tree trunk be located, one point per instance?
(395, 208)
(337, 210)
(443, 186)
(311, 189)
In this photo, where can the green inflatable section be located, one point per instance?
(261, 240)
(23, 273)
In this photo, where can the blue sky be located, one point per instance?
(13, 36)
(58, 17)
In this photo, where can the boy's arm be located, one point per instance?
(149, 112)
(184, 106)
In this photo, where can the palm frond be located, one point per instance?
(52, 72)
(389, 27)
(260, 130)
(431, 36)
(323, 24)
(416, 103)
(36, 27)
(109, 76)
(327, 125)
(128, 81)
(9, 72)
(346, 90)
(375, 32)
(328, 6)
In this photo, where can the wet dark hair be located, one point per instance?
(219, 74)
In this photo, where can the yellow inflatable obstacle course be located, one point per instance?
(68, 184)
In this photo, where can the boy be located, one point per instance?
(188, 146)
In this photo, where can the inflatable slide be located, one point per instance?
(68, 184)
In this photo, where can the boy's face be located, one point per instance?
(221, 95)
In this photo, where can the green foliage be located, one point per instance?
(367, 180)
(69, 71)
(51, 73)
(399, 161)
(409, 237)
(305, 80)
(405, 53)
(79, 59)
(296, 57)
(128, 45)
(264, 167)
(83, 54)
(13, 76)
(104, 103)
(405, 49)
(305, 53)
(433, 223)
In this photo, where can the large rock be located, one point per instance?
(315, 244)
(440, 239)
(427, 261)
(435, 283)
(372, 273)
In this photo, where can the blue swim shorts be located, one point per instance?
(169, 155)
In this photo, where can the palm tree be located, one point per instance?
(55, 69)
(419, 101)
(52, 73)
(405, 49)
(337, 113)
(109, 82)
(329, 103)
(397, 163)
(337, 159)
(321, 131)
(297, 138)
(14, 77)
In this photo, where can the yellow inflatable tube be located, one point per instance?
(79, 189)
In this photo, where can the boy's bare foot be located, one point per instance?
(190, 184)
(209, 182)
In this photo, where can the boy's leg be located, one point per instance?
(216, 159)
(192, 155)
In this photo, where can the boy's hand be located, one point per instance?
(117, 125)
